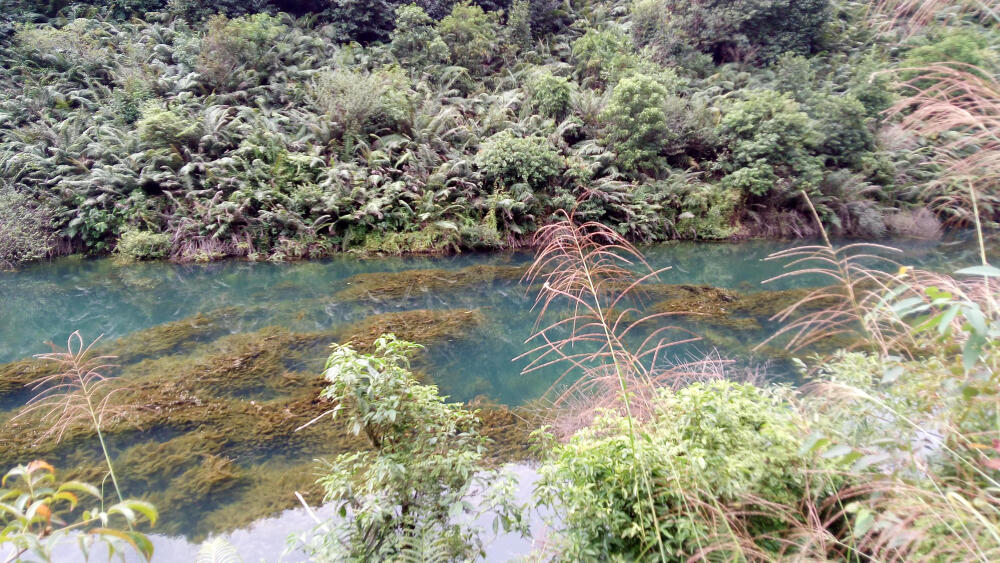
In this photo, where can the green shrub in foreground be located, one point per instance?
(407, 494)
(709, 448)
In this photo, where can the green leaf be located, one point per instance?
(142, 507)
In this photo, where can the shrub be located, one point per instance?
(426, 457)
(637, 123)
(914, 223)
(846, 131)
(713, 449)
(731, 30)
(706, 212)
(602, 54)
(24, 229)
(550, 95)
(362, 20)
(959, 46)
(416, 39)
(77, 43)
(161, 128)
(519, 24)
(356, 102)
(237, 44)
(508, 159)
(471, 35)
(770, 143)
(135, 245)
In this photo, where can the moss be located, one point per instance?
(269, 489)
(382, 286)
(767, 304)
(509, 431)
(422, 326)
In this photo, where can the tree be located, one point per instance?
(757, 30)
(771, 144)
(636, 122)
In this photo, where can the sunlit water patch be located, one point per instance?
(221, 362)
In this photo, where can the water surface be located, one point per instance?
(215, 447)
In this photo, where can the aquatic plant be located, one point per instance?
(425, 326)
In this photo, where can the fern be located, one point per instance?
(218, 550)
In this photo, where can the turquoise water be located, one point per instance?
(47, 301)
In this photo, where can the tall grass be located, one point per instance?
(615, 352)
(911, 16)
(958, 106)
(594, 268)
(855, 278)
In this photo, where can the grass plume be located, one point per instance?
(80, 392)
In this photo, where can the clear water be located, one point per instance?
(46, 302)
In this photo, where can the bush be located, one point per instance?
(471, 36)
(731, 30)
(518, 26)
(161, 128)
(960, 46)
(636, 123)
(602, 54)
(706, 212)
(507, 159)
(847, 134)
(356, 102)
(416, 39)
(550, 95)
(770, 143)
(135, 245)
(710, 448)
(24, 234)
(231, 46)
(425, 458)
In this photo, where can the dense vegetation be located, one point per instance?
(272, 129)
(577, 126)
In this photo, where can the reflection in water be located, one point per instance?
(267, 539)
(222, 360)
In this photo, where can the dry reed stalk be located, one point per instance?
(914, 15)
(959, 106)
(79, 392)
(855, 290)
